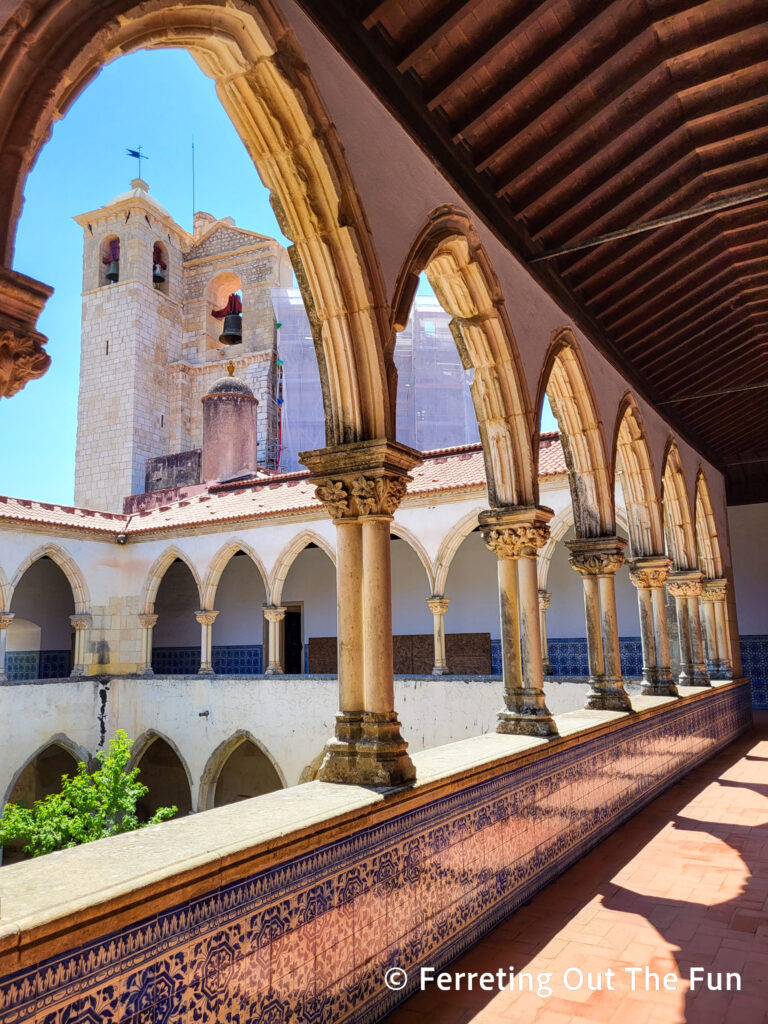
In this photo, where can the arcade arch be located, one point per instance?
(163, 771)
(40, 640)
(634, 469)
(238, 769)
(176, 633)
(678, 521)
(304, 584)
(236, 590)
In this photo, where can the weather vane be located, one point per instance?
(138, 154)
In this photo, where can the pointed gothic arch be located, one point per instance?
(5, 591)
(633, 468)
(565, 382)
(678, 520)
(707, 539)
(220, 562)
(286, 558)
(159, 568)
(270, 775)
(448, 250)
(266, 87)
(68, 566)
(450, 544)
(75, 751)
(171, 773)
(413, 542)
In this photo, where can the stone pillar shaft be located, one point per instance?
(361, 485)
(6, 618)
(206, 619)
(515, 536)
(597, 560)
(686, 588)
(439, 606)
(545, 599)
(274, 616)
(713, 614)
(148, 623)
(81, 624)
(649, 575)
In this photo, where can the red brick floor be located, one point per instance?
(683, 885)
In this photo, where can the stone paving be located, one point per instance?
(682, 886)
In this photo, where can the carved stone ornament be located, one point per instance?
(362, 495)
(649, 573)
(545, 599)
(686, 587)
(274, 614)
(516, 541)
(363, 478)
(22, 358)
(715, 591)
(6, 618)
(598, 556)
(206, 618)
(438, 605)
(147, 621)
(80, 621)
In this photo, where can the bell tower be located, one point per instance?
(132, 327)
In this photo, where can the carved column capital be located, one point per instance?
(80, 621)
(596, 556)
(147, 621)
(515, 532)
(273, 613)
(714, 590)
(6, 618)
(368, 478)
(650, 572)
(685, 584)
(22, 357)
(205, 617)
(545, 599)
(438, 605)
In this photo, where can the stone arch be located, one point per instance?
(632, 462)
(565, 382)
(286, 559)
(265, 85)
(707, 538)
(218, 760)
(68, 566)
(450, 545)
(398, 530)
(5, 591)
(59, 739)
(149, 804)
(448, 250)
(220, 562)
(678, 521)
(159, 569)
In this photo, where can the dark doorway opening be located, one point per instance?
(292, 640)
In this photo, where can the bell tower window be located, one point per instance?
(160, 267)
(109, 264)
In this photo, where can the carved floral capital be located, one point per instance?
(22, 356)
(147, 621)
(22, 359)
(274, 614)
(80, 621)
(206, 618)
(598, 556)
(6, 618)
(649, 573)
(714, 590)
(438, 605)
(685, 584)
(515, 532)
(368, 478)
(545, 599)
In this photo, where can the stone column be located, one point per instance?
(206, 619)
(439, 606)
(81, 624)
(6, 618)
(515, 536)
(545, 599)
(649, 575)
(686, 588)
(148, 621)
(597, 560)
(361, 485)
(713, 599)
(274, 616)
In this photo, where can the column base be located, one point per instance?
(77, 672)
(547, 666)
(273, 670)
(526, 714)
(338, 764)
(205, 670)
(145, 671)
(608, 694)
(658, 683)
(718, 670)
(440, 670)
(693, 677)
(382, 758)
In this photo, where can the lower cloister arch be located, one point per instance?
(633, 467)
(164, 771)
(449, 252)
(265, 86)
(238, 769)
(678, 521)
(565, 382)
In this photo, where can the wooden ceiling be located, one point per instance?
(566, 120)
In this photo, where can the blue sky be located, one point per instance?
(156, 99)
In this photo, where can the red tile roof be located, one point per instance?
(448, 469)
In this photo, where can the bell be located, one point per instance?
(157, 274)
(233, 329)
(113, 271)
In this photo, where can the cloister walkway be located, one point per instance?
(683, 885)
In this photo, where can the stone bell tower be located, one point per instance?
(132, 327)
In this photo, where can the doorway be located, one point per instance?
(293, 641)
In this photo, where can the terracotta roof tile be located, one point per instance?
(449, 469)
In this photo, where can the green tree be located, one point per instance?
(90, 805)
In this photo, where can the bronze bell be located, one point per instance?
(233, 329)
(157, 274)
(113, 271)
